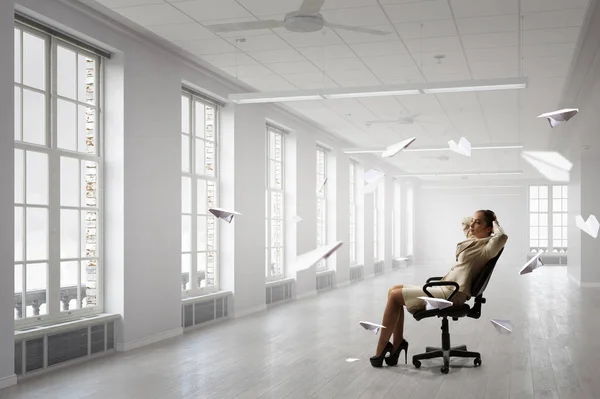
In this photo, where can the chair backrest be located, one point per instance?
(484, 276)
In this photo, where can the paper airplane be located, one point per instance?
(504, 327)
(393, 149)
(296, 219)
(551, 164)
(320, 189)
(435, 303)
(532, 263)
(223, 214)
(374, 328)
(463, 147)
(557, 117)
(311, 258)
(591, 226)
(352, 360)
(372, 175)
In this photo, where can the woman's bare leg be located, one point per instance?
(392, 317)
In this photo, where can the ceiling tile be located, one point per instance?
(422, 104)
(564, 50)
(459, 102)
(238, 33)
(490, 40)
(268, 83)
(417, 12)
(304, 78)
(205, 47)
(379, 49)
(386, 108)
(333, 4)
(491, 24)
(185, 31)
(357, 16)
(269, 7)
(409, 72)
(360, 37)
(479, 8)
(282, 55)
(494, 73)
(547, 36)
(412, 30)
(546, 67)
(243, 71)
(127, 3)
(548, 5)
(391, 61)
(260, 43)
(492, 54)
(341, 64)
(292, 67)
(442, 76)
(229, 59)
(324, 37)
(154, 14)
(553, 19)
(327, 52)
(434, 44)
(351, 74)
(211, 10)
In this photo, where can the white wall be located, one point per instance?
(7, 345)
(439, 213)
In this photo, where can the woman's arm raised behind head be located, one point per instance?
(496, 243)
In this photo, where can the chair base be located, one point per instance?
(446, 351)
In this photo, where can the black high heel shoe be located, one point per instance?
(377, 361)
(392, 360)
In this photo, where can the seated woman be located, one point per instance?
(485, 239)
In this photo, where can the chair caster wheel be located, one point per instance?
(445, 369)
(477, 361)
(417, 364)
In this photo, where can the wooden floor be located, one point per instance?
(298, 350)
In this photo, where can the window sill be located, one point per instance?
(40, 331)
(401, 259)
(280, 281)
(208, 296)
(325, 272)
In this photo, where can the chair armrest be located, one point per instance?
(430, 279)
(441, 284)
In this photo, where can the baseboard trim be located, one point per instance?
(246, 312)
(138, 343)
(306, 294)
(583, 284)
(8, 381)
(574, 280)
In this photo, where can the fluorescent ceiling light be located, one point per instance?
(459, 174)
(276, 99)
(495, 147)
(476, 85)
(464, 187)
(379, 93)
(363, 150)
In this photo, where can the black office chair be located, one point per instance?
(455, 312)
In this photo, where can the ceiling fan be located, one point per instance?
(306, 19)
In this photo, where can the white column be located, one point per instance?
(342, 225)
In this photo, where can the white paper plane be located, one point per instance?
(373, 327)
(296, 219)
(463, 147)
(372, 175)
(311, 258)
(435, 303)
(393, 149)
(322, 185)
(591, 226)
(553, 165)
(532, 263)
(557, 117)
(352, 360)
(504, 327)
(223, 214)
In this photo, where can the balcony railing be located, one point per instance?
(37, 298)
(185, 279)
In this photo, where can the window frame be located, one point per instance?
(353, 212)
(397, 221)
(322, 265)
(195, 177)
(54, 312)
(269, 190)
(549, 213)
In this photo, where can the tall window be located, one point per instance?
(321, 203)
(378, 222)
(58, 179)
(540, 209)
(397, 221)
(275, 199)
(375, 224)
(410, 209)
(352, 191)
(199, 192)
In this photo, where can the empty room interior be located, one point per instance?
(299, 199)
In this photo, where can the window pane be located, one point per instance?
(544, 233)
(543, 219)
(543, 205)
(276, 262)
(89, 175)
(89, 246)
(19, 234)
(565, 192)
(533, 243)
(202, 203)
(68, 285)
(556, 244)
(210, 123)
(186, 267)
(533, 206)
(533, 192)
(86, 130)
(557, 219)
(199, 130)
(17, 113)
(69, 182)
(17, 55)
(276, 233)
(544, 192)
(18, 290)
(556, 192)
(34, 61)
(70, 236)
(202, 230)
(534, 219)
(186, 233)
(201, 269)
(66, 72)
(200, 151)
(86, 79)
(19, 176)
(278, 147)
(37, 286)
(210, 159)
(211, 267)
(89, 283)
(557, 233)
(66, 125)
(186, 195)
(276, 205)
(34, 117)
(544, 243)
(185, 114)
(565, 219)
(211, 233)
(557, 205)
(185, 153)
(36, 229)
(534, 232)
(564, 205)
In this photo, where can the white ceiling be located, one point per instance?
(479, 39)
